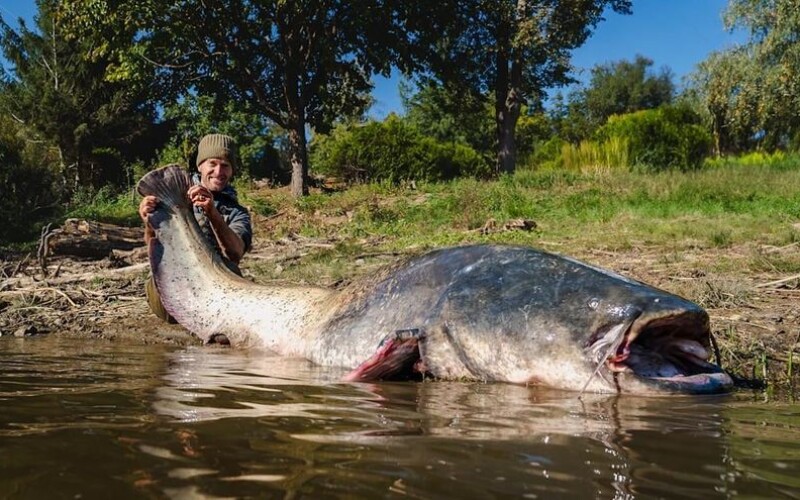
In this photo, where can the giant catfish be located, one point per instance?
(479, 312)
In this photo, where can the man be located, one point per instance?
(225, 223)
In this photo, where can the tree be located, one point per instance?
(752, 92)
(30, 191)
(301, 64)
(511, 49)
(625, 87)
(58, 91)
(195, 116)
(449, 115)
(615, 88)
(727, 86)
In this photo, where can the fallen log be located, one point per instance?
(90, 239)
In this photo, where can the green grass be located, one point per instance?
(104, 206)
(716, 208)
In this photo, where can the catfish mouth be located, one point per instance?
(668, 353)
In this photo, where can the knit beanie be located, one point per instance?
(217, 146)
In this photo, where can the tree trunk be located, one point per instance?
(717, 132)
(298, 157)
(506, 129)
(508, 104)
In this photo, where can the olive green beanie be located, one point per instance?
(217, 146)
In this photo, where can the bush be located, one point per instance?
(546, 155)
(757, 159)
(392, 151)
(29, 195)
(666, 137)
(596, 156)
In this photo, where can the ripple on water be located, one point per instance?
(143, 420)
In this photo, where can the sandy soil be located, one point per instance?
(755, 315)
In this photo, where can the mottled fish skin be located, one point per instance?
(204, 296)
(483, 312)
(498, 313)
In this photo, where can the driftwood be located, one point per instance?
(118, 273)
(89, 239)
(779, 282)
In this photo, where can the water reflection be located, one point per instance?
(490, 438)
(86, 419)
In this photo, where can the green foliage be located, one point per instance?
(667, 137)
(29, 188)
(450, 114)
(298, 64)
(775, 161)
(610, 154)
(546, 154)
(507, 51)
(105, 205)
(625, 87)
(615, 88)
(194, 116)
(392, 151)
(752, 92)
(728, 86)
(575, 211)
(60, 93)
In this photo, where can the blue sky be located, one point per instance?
(673, 33)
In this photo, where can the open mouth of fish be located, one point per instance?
(669, 353)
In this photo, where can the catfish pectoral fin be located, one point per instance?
(397, 358)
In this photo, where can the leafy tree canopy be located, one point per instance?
(58, 91)
(300, 64)
(511, 50)
(615, 88)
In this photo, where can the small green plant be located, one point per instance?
(104, 205)
(721, 238)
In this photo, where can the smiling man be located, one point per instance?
(225, 223)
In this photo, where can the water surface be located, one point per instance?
(83, 419)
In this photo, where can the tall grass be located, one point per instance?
(592, 156)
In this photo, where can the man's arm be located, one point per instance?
(231, 244)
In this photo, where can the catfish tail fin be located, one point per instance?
(169, 184)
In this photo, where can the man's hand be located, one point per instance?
(201, 197)
(147, 206)
(230, 243)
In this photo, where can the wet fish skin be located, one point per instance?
(500, 313)
(484, 312)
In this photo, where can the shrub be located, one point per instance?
(546, 155)
(776, 161)
(392, 151)
(666, 137)
(29, 193)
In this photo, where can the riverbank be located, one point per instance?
(728, 239)
(755, 316)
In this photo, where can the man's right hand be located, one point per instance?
(147, 206)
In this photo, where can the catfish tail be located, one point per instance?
(169, 184)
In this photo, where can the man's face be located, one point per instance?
(215, 173)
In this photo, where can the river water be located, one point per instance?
(83, 419)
